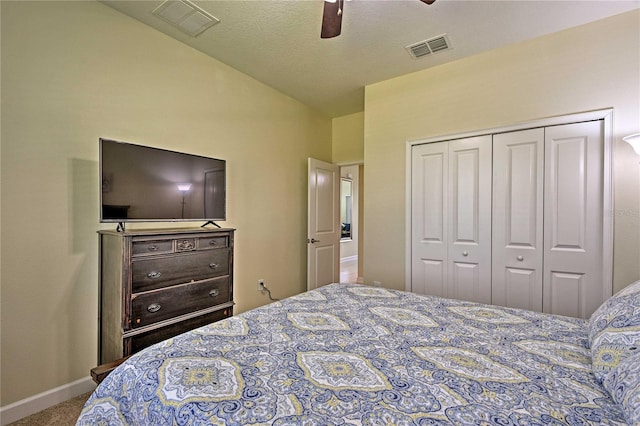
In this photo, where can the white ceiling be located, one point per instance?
(278, 42)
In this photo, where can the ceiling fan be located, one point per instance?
(332, 17)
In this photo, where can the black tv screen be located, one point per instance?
(141, 183)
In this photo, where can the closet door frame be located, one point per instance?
(607, 205)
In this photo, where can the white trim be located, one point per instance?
(603, 114)
(608, 215)
(407, 215)
(348, 258)
(608, 229)
(351, 163)
(36, 403)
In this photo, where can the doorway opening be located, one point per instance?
(351, 180)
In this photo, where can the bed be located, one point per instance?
(352, 354)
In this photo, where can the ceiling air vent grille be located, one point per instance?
(427, 47)
(185, 15)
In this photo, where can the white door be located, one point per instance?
(469, 219)
(323, 228)
(573, 218)
(451, 219)
(518, 176)
(429, 177)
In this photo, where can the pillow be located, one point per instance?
(614, 330)
(623, 384)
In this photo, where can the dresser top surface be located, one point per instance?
(163, 231)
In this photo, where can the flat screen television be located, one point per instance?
(145, 184)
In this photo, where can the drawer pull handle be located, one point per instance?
(212, 242)
(214, 292)
(153, 247)
(154, 275)
(214, 265)
(154, 307)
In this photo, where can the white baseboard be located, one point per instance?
(23, 408)
(349, 258)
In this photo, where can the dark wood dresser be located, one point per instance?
(156, 284)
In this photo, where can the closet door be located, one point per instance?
(573, 209)
(429, 168)
(518, 171)
(469, 219)
(451, 219)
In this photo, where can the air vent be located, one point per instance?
(427, 47)
(186, 16)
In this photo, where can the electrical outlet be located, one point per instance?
(260, 284)
(377, 284)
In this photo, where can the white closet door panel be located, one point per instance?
(465, 282)
(466, 212)
(567, 294)
(518, 160)
(433, 206)
(469, 225)
(428, 218)
(434, 278)
(522, 288)
(573, 218)
(568, 210)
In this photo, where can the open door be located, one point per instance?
(323, 229)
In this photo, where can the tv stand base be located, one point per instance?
(210, 222)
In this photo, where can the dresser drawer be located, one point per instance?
(141, 248)
(136, 343)
(159, 305)
(213, 242)
(154, 273)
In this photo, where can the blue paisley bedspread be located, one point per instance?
(355, 355)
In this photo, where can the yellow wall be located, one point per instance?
(590, 67)
(76, 71)
(348, 139)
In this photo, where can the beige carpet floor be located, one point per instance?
(64, 414)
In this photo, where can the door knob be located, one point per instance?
(313, 240)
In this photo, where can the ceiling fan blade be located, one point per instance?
(428, 1)
(331, 19)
